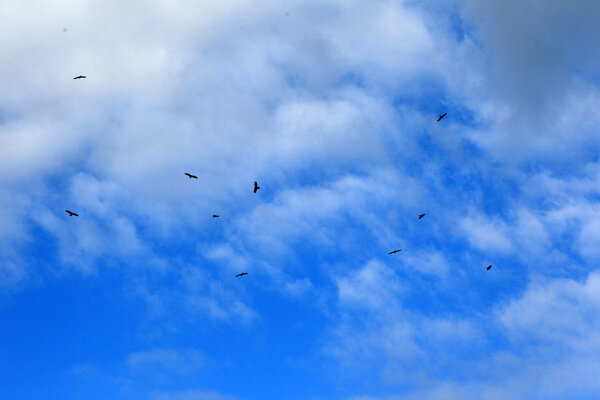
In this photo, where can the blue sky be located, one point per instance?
(331, 106)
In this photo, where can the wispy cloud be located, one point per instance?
(331, 106)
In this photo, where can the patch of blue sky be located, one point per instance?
(68, 320)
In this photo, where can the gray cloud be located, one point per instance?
(540, 79)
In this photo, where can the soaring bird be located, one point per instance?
(489, 267)
(242, 274)
(71, 214)
(191, 176)
(441, 116)
(256, 187)
(395, 251)
(421, 216)
(80, 77)
(215, 216)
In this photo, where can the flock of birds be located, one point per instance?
(256, 188)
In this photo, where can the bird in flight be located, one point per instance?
(242, 274)
(489, 267)
(71, 214)
(441, 116)
(256, 187)
(191, 176)
(421, 216)
(80, 77)
(395, 251)
(215, 216)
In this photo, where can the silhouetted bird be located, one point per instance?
(71, 214)
(421, 216)
(80, 77)
(215, 216)
(256, 187)
(395, 251)
(242, 274)
(191, 176)
(441, 116)
(489, 267)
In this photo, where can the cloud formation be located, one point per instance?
(331, 106)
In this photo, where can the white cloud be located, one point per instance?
(487, 234)
(376, 327)
(11, 272)
(374, 287)
(330, 109)
(162, 362)
(300, 287)
(204, 295)
(427, 262)
(326, 220)
(561, 312)
(180, 88)
(553, 331)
